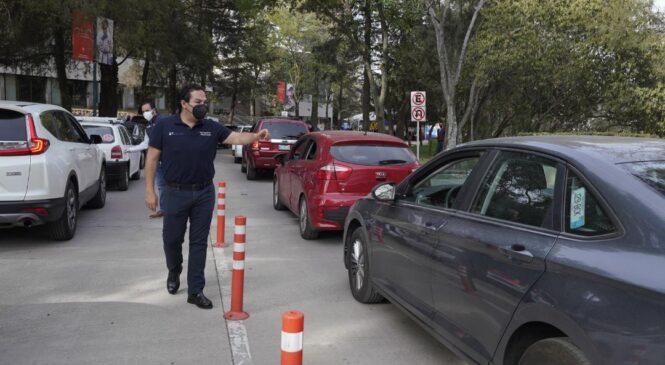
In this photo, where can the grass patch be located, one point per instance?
(426, 151)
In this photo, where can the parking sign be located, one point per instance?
(418, 106)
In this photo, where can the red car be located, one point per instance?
(261, 155)
(326, 172)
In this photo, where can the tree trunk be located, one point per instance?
(314, 118)
(368, 62)
(143, 91)
(61, 68)
(108, 98)
(172, 101)
(234, 97)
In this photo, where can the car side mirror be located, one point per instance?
(280, 158)
(95, 139)
(384, 192)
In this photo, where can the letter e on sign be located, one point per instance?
(418, 106)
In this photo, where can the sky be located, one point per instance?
(659, 4)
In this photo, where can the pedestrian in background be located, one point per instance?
(186, 143)
(151, 116)
(441, 138)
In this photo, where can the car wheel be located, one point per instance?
(306, 230)
(99, 200)
(359, 280)
(276, 202)
(251, 173)
(243, 165)
(65, 227)
(554, 351)
(137, 175)
(123, 183)
(237, 159)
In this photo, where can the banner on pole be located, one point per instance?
(105, 41)
(281, 91)
(82, 37)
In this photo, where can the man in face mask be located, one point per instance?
(187, 145)
(151, 115)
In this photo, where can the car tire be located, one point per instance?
(306, 230)
(276, 201)
(142, 163)
(243, 165)
(123, 183)
(65, 227)
(237, 159)
(360, 284)
(251, 173)
(137, 175)
(554, 351)
(99, 200)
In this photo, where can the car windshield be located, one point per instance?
(372, 155)
(105, 132)
(285, 130)
(650, 172)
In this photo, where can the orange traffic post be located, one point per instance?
(293, 323)
(238, 275)
(221, 214)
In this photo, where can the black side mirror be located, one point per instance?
(95, 139)
(280, 158)
(384, 192)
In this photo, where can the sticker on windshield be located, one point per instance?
(107, 138)
(577, 202)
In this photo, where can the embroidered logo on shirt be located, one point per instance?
(206, 134)
(175, 134)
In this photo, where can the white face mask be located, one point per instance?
(147, 115)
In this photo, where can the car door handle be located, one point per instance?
(429, 227)
(517, 252)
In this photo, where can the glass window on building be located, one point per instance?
(79, 91)
(31, 88)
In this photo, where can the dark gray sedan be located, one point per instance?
(526, 251)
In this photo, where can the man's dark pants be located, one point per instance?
(197, 207)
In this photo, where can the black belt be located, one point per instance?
(189, 186)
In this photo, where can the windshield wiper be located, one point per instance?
(391, 162)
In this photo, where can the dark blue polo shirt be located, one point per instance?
(188, 154)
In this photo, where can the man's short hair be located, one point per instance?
(152, 104)
(186, 91)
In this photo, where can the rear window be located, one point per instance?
(650, 172)
(12, 126)
(285, 130)
(372, 155)
(105, 132)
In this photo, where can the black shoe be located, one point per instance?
(173, 282)
(200, 300)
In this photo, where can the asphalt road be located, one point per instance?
(100, 298)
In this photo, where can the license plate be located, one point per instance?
(284, 147)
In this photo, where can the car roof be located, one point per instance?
(99, 119)
(281, 120)
(100, 124)
(27, 106)
(355, 136)
(610, 149)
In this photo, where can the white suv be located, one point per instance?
(236, 149)
(123, 159)
(49, 168)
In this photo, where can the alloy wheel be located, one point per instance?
(358, 264)
(71, 209)
(303, 216)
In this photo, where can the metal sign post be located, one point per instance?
(418, 114)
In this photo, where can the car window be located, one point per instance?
(68, 132)
(285, 130)
(12, 126)
(300, 149)
(124, 136)
(519, 188)
(651, 173)
(372, 155)
(105, 132)
(584, 215)
(311, 153)
(78, 133)
(51, 123)
(441, 187)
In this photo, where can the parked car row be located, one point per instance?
(50, 168)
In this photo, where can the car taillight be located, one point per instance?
(255, 146)
(38, 211)
(35, 145)
(334, 172)
(116, 152)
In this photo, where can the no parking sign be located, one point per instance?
(418, 106)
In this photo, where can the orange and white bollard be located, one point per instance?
(293, 323)
(238, 275)
(221, 214)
